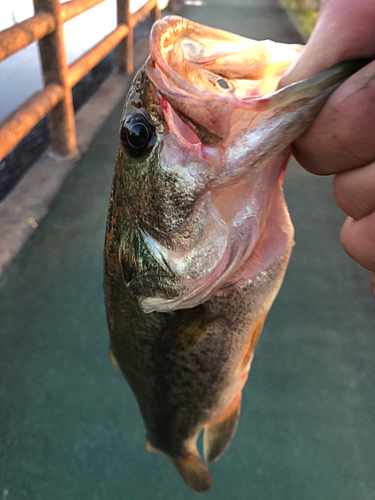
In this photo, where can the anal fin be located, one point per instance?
(219, 433)
(253, 340)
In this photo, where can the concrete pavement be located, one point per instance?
(70, 428)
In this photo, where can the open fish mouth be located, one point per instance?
(211, 86)
(206, 74)
(228, 124)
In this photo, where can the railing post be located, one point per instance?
(155, 14)
(55, 70)
(125, 55)
(173, 5)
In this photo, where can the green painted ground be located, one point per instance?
(69, 425)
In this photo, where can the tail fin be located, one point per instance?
(194, 472)
(191, 467)
(219, 434)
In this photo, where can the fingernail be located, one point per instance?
(372, 283)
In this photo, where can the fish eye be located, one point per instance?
(137, 135)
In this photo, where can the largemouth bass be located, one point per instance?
(198, 234)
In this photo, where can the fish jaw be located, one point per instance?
(234, 224)
(188, 60)
(222, 176)
(185, 242)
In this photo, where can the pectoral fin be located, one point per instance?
(152, 449)
(186, 334)
(113, 359)
(219, 433)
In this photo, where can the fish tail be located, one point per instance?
(219, 433)
(191, 467)
(194, 472)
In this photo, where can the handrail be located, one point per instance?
(18, 37)
(74, 8)
(36, 27)
(91, 58)
(59, 78)
(143, 11)
(20, 122)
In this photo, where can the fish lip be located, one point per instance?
(156, 59)
(188, 90)
(180, 94)
(169, 116)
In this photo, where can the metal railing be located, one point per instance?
(46, 27)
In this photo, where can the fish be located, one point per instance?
(198, 234)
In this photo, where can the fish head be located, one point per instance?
(204, 141)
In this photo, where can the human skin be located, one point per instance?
(341, 141)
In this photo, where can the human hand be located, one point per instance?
(342, 139)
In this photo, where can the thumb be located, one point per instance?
(344, 30)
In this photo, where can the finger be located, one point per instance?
(358, 240)
(344, 30)
(354, 191)
(342, 137)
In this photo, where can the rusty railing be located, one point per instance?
(46, 27)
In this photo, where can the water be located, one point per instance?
(21, 74)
